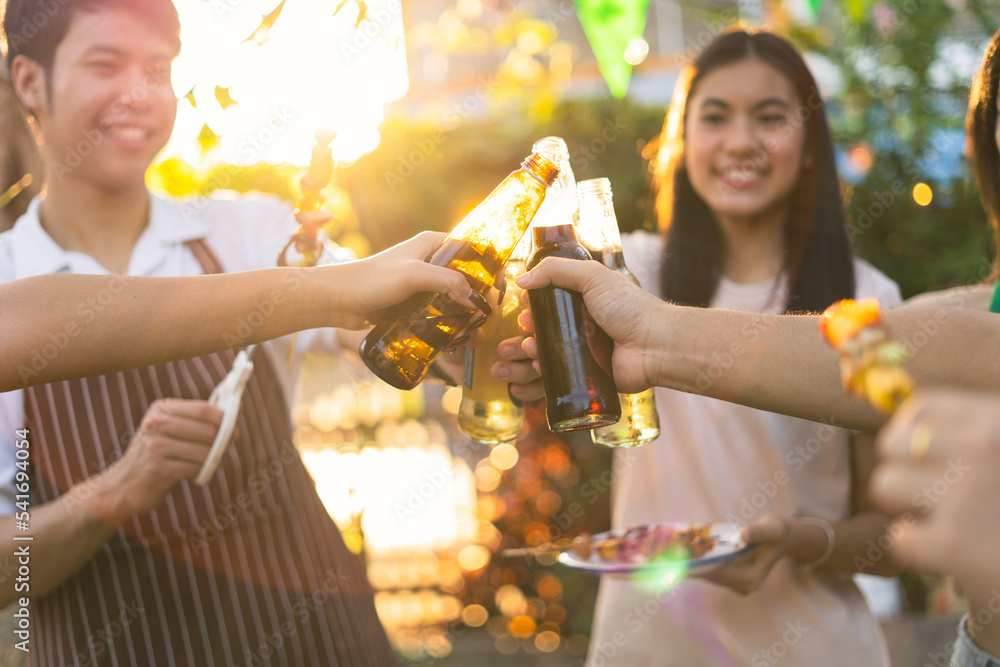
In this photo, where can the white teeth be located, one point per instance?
(127, 133)
(741, 175)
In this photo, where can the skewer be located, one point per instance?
(311, 216)
(534, 551)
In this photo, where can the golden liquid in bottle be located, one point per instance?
(640, 422)
(487, 412)
(402, 346)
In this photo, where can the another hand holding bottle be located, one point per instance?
(625, 311)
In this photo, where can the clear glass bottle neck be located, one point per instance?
(554, 148)
(598, 226)
(561, 200)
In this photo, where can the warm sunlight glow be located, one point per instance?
(313, 71)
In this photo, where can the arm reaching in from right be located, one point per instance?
(778, 363)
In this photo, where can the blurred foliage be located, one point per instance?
(517, 42)
(904, 68)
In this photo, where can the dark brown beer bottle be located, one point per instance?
(406, 342)
(579, 393)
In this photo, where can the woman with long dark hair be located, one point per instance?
(749, 203)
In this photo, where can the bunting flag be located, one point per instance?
(610, 25)
(815, 6)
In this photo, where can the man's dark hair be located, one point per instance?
(35, 28)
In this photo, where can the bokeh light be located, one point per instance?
(504, 457)
(475, 615)
(473, 558)
(522, 626)
(547, 641)
(636, 51)
(922, 194)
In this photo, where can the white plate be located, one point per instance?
(728, 545)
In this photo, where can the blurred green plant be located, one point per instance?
(904, 68)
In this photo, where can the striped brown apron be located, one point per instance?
(248, 570)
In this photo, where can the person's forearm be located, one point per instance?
(65, 535)
(859, 546)
(782, 364)
(770, 362)
(60, 326)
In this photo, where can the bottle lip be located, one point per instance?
(551, 146)
(535, 163)
(595, 186)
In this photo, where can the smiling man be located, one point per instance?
(114, 517)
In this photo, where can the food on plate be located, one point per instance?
(871, 362)
(646, 543)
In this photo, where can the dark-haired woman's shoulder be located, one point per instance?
(977, 297)
(870, 282)
(644, 257)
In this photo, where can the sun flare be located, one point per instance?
(311, 69)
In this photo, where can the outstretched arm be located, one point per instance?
(61, 326)
(771, 362)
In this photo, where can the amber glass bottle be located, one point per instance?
(406, 342)
(599, 234)
(487, 412)
(579, 392)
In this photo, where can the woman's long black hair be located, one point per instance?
(817, 249)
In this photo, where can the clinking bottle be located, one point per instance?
(598, 232)
(573, 352)
(488, 412)
(404, 344)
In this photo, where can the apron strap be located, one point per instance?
(209, 262)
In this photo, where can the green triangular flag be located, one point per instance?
(610, 26)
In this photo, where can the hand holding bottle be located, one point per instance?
(392, 276)
(515, 366)
(625, 311)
